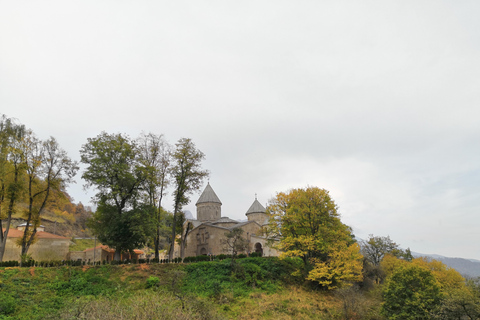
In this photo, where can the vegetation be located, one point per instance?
(187, 177)
(309, 227)
(82, 244)
(323, 273)
(32, 171)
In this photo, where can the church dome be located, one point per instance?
(256, 207)
(208, 195)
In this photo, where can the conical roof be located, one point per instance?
(208, 195)
(256, 207)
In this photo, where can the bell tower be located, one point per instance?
(209, 207)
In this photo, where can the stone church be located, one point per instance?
(207, 236)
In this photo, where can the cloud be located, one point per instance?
(376, 102)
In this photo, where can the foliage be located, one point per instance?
(234, 242)
(153, 282)
(344, 265)
(374, 250)
(459, 304)
(32, 169)
(48, 169)
(144, 305)
(155, 154)
(116, 170)
(309, 226)
(124, 232)
(411, 293)
(187, 177)
(213, 278)
(82, 244)
(459, 298)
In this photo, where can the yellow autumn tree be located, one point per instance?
(308, 224)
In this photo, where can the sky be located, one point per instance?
(376, 101)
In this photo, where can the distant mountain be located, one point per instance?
(466, 267)
(188, 215)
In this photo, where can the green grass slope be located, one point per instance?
(253, 288)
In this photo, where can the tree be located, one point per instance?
(309, 226)
(374, 250)
(411, 293)
(11, 170)
(155, 154)
(234, 242)
(187, 177)
(125, 232)
(115, 170)
(48, 169)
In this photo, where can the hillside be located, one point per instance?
(258, 289)
(62, 217)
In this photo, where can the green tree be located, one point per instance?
(155, 154)
(48, 170)
(11, 170)
(309, 226)
(411, 293)
(125, 232)
(115, 170)
(234, 243)
(187, 177)
(374, 249)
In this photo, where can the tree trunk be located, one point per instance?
(184, 240)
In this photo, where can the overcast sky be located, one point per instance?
(376, 101)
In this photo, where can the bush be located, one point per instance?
(7, 305)
(153, 282)
(410, 293)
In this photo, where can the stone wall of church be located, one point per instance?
(261, 243)
(209, 211)
(211, 240)
(258, 217)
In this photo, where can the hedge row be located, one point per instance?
(57, 263)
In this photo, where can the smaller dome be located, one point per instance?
(256, 207)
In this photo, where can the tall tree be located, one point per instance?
(48, 169)
(187, 177)
(11, 169)
(309, 226)
(155, 154)
(115, 170)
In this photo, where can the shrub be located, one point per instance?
(410, 293)
(7, 305)
(153, 282)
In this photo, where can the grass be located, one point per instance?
(82, 244)
(257, 288)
